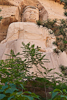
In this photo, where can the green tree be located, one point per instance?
(65, 6)
(1, 16)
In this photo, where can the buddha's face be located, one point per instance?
(30, 14)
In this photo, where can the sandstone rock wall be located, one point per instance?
(13, 11)
(30, 32)
(10, 2)
(9, 14)
(3, 31)
(54, 60)
(4, 2)
(13, 34)
(55, 10)
(26, 32)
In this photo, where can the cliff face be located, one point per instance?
(19, 25)
(13, 11)
(54, 9)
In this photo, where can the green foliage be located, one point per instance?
(0, 10)
(54, 43)
(1, 16)
(65, 42)
(59, 31)
(49, 23)
(65, 6)
(15, 70)
(56, 51)
(65, 13)
(33, 56)
(11, 91)
(12, 70)
(62, 77)
(39, 23)
(58, 94)
(63, 69)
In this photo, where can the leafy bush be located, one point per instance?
(12, 70)
(65, 6)
(16, 69)
(63, 69)
(11, 91)
(59, 31)
(15, 75)
(1, 16)
(56, 51)
(58, 94)
(65, 13)
(39, 23)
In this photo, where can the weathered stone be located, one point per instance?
(10, 2)
(43, 14)
(3, 31)
(2, 49)
(54, 60)
(30, 32)
(55, 10)
(30, 14)
(9, 13)
(4, 2)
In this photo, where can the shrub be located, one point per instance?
(10, 91)
(15, 70)
(1, 16)
(56, 51)
(58, 94)
(65, 13)
(39, 23)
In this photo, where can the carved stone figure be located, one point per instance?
(30, 14)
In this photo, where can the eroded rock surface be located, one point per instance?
(10, 2)
(30, 32)
(25, 30)
(55, 10)
(9, 14)
(43, 14)
(30, 14)
(14, 11)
